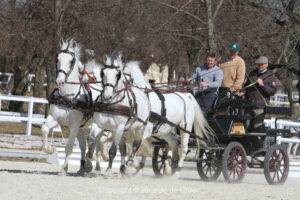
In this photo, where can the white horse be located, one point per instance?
(126, 108)
(71, 92)
(293, 147)
(181, 109)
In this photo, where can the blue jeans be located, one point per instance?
(206, 100)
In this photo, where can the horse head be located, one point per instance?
(67, 58)
(111, 75)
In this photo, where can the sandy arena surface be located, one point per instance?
(32, 180)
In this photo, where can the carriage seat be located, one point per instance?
(228, 100)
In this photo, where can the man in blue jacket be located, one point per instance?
(209, 78)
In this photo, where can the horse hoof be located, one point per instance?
(48, 150)
(62, 173)
(88, 166)
(98, 168)
(122, 169)
(81, 172)
(131, 170)
(168, 169)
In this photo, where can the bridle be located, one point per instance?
(71, 66)
(112, 66)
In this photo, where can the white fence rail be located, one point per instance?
(281, 99)
(28, 117)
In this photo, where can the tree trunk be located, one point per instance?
(192, 51)
(60, 7)
(38, 88)
(298, 74)
(212, 47)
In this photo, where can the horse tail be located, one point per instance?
(201, 126)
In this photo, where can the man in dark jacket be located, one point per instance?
(261, 85)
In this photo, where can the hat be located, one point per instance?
(235, 47)
(262, 60)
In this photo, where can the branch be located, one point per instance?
(180, 10)
(217, 9)
(283, 50)
(192, 37)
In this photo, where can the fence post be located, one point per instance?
(30, 113)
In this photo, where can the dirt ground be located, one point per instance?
(32, 180)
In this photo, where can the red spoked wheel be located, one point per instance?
(209, 164)
(234, 163)
(276, 165)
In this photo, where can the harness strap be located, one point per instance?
(162, 101)
(117, 110)
(156, 117)
(90, 75)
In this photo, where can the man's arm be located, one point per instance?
(218, 79)
(270, 87)
(195, 75)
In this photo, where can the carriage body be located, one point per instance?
(235, 147)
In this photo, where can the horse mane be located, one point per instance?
(133, 68)
(70, 43)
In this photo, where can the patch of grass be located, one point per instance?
(23, 159)
(20, 129)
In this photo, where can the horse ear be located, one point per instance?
(72, 43)
(120, 55)
(105, 58)
(61, 42)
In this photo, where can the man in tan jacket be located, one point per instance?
(233, 69)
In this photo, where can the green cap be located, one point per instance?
(234, 47)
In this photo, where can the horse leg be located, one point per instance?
(168, 162)
(46, 127)
(98, 157)
(69, 148)
(295, 150)
(92, 139)
(82, 145)
(289, 148)
(122, 149)
(145, 147)
(119, 139)
(105, 137)
(112, 154)
(183, 151)
(130, 162)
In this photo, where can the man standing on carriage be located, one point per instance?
(260, 86)
(233, 68)
(209, 78)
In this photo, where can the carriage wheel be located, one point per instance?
(234, 163)
(209, 164)
(159, 158)
(276, 165)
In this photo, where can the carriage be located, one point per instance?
(235, 147)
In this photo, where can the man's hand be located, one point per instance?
(240, 94)
(204, 84)
(260, 82)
